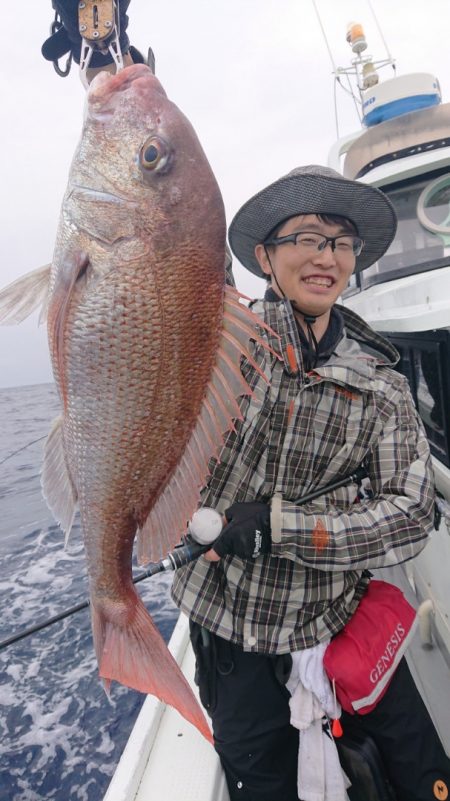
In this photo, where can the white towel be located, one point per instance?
(320, 776)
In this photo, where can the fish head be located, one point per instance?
(142, 222)
(142, 164)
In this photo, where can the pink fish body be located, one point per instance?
(145, 344)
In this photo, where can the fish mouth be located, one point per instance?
(106, 84)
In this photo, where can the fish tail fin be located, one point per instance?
(19, 299)
(130, 650)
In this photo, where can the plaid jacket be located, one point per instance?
(299, 433)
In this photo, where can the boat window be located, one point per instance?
(352, 286)
(422, 241)
(425, 361)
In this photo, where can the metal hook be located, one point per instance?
(54, 28)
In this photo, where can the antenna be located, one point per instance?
(324, 36)
(336, 70)
(390, 59)
(363, 69)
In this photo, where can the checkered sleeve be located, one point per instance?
(390, 528)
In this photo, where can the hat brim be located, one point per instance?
(370, 211)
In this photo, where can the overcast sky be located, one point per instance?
(253, 76)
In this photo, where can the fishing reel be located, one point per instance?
(203, 530)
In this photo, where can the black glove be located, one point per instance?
(248, 531)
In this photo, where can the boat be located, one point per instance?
(165, 757)
(404, 149)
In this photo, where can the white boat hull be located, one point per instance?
(414, 303)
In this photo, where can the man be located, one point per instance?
(284, 577)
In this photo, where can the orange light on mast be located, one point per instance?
(355, 37)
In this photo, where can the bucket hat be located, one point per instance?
(314, 190)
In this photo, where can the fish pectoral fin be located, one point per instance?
(130, 650)
(19, 299)
(58, 487)
(72, 269)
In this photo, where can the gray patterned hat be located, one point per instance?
(314, 190)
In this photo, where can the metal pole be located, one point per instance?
(381, 33)
(324, 36)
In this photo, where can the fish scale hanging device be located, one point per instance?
(98, 22)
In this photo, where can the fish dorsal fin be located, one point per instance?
(179, 499)
(58, 488)
(19, 299)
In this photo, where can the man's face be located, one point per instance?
(313, 279)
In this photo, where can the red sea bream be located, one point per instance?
(145, 343)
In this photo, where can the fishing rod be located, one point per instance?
(202, 542)
(181, 555)
(56, 618)
(203, 530)
(33, 442)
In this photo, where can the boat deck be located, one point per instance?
(166, 757)
(427, 661)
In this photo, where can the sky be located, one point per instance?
(253, 76)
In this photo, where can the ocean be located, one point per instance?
(60, 735)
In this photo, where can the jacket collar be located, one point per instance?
(370, 340)
(359, 349)
(329, 341)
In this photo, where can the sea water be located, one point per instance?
(60, 735)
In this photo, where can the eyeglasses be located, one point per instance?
(343, 245)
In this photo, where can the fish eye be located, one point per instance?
(155, 154)
(151, 154)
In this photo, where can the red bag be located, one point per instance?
(361, 660)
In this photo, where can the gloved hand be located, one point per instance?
(247, 533)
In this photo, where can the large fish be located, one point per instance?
(146, 344)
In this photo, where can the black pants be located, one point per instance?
(401, 727)
(244, 694)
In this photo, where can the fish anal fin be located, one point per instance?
(179, 499)
(130, 650)
(19, 299)
(58, 488)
